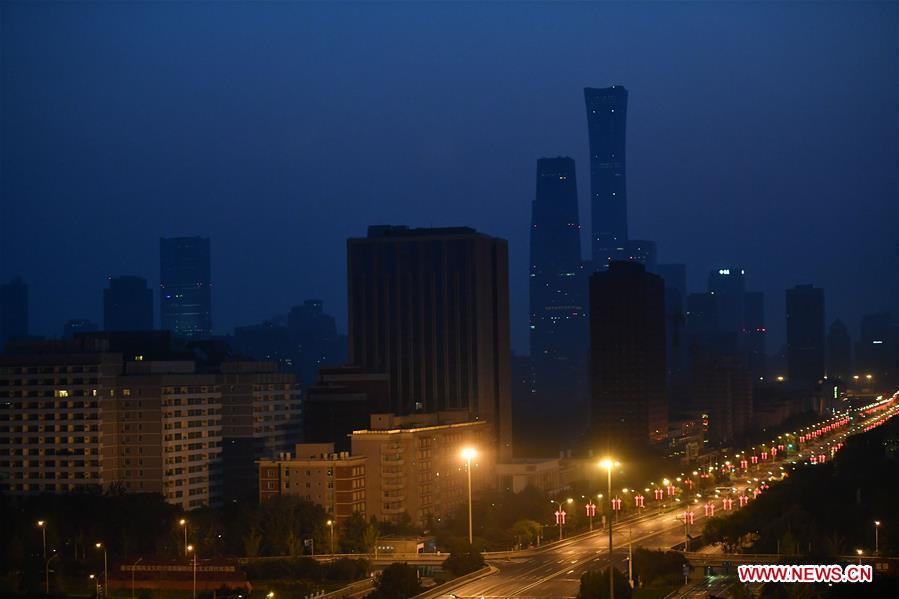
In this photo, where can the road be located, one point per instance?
(555, 573)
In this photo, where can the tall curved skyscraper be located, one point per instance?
(606, 120)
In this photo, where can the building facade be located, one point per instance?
(315, 472)
(185, 281)
(430, 309)
(415, 466)
(805, 334)
(606, 121)
(629, 408)
(127, 305)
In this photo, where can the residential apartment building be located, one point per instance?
(315, 472)
(415, 464)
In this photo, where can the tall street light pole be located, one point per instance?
(468, 454)
(183, 523)
(42, 524)
(190, 548)
(560, 515)
(609, 464)
(133, 566)
(330, 524)
(105, 569)
(877, 537)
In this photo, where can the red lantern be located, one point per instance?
(710, 509)
(670, 490)
(764, 455)
(755, 459)
(756, 492)
(659, 493)
(744, 464)
(688, 517)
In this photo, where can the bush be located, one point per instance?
(595, 585)
(463, 560)
(397, 581)
(658, 567)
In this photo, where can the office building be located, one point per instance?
(674, 277)
(722, 397)
(754, 333)
(13, 311)
(314, 339)
(606, 121)
(430, 309)
(415, 466)
(558, 315)
(805, 334)
(641, 251)
(876, 348)
(127, 304)
(629, 409)
(839, 351)
(342, 401)
(728, 285)
(317, 473)
(185, 286)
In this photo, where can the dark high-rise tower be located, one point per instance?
(127, 305)
(13, 310)
(185, 286)
(839, 351)
(606, 120)
(313, 336)
(805, 333)
(754, 333)
(430, 308)
(558, 323)
(627, 353)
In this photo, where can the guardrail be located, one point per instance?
(351, 589)
(441, 589)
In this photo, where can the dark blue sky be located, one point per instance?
(759, 135)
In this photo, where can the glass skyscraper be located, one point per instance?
(185, 286)
(606, 120)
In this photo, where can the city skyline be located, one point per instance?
(712, 210)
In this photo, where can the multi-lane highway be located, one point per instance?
(555, 571)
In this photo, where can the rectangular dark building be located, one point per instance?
(430, 308)
(627, 342)
(185, 286)
(805, 334)
(606, 121)
(127, 305)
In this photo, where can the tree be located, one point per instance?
(658, 567)
(526, 531)
(463, 559)
(252, 541)
(595, 585)
(358, 535)
(397, 581)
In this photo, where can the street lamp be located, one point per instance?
(560, 514)
(183, 523)
(105, 568)
(608, 464)
(190, 548)
(468, 454)
(877, 537)
(859, 552)
(330, 524)
(42, 524)
(96, 584)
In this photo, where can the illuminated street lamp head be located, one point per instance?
(469, 453)
(98, 545)
(182, 522)
(330, 523)
(92, 576)
(190, 547)
(877, 523)
(270, 594)
(666, 482)
(569, 500)
(608, 463)
(40, 522)
(859, 551)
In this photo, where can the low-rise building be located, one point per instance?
(315, 472)
(517, 475)
(415, 463)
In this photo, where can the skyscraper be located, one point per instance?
(313, 335)
(754, 333)
(606, 120)
(13, 310)
(876, 348)
(805, 333)
(627, 352)
(185, 302)
(839, 351)
(558, 322)
(729, 287)
(430, 308)
(127, 304)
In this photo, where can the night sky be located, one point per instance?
(759, 135)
